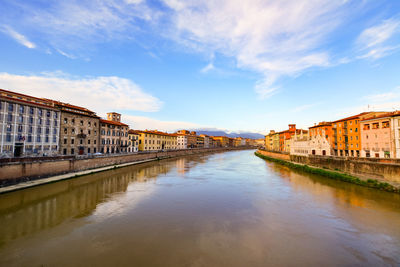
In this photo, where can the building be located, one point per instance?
(182, 140)
(395, 131)
(324, 129)
(79, 129)
(200, 142)
(286, 136)
(223, 141)
(113, 134)
(29, 126)
(346, 133)
(207, 139)
(156, 140)
(190, 140)
(133, 143)
(377, 137)
(305, 145)
(269, 140)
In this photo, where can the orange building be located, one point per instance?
(286, 135)
(323, 129)
(347, 137)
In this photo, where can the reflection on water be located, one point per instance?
(222, 209)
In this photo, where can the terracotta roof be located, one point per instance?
(22, 95)
(29, 102)
(113, 122)
(352, 117)
(388, 114)
(156, 132)
(55, 102)
(321, 124)
(133, 132)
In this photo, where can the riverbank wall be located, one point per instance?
(371, 173)
(16, 172)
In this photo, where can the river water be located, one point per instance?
(225, 209)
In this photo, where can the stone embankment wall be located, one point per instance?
(13, 172)
(277, 155)
(381, 169)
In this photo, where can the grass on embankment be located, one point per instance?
(334, 175)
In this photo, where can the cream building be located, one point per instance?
(304, 145)
(156, 140)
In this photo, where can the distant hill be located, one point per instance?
(221, 133)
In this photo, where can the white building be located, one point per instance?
(305, 146)
(133, 143)
(182, 141)
(29, 126)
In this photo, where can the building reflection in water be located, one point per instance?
(32, 210)
(353, 195)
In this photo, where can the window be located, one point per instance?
(375, 125)
(73, 121)
(29, 138)
(55, 115)
(31, 111)
(8, 137)
(65, 131)
(72, 141)
(31, 120)
(38, 138)
(65, 141)
(21, 109)
(47, 139)
(9, 117)
(47, 130)
(54, 131)
(47, 122)
(65, 120)
(10, 107)
(64, 151)
(88, 141)
(40, 112)
(81, 123)
(73, 130)
(89, 124)
(30, 129)
(39, 130)
(72, 151)
(39, 121)
(20, 128)
(385, 124)
(81, 141)
(48, 114)
(9, 128)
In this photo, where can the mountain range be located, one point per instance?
(233, 135)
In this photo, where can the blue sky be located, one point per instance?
(235, 65)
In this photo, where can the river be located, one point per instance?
(223, 209)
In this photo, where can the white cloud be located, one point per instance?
(141, 122)
(100, 94)
(273, 38)
(373, 41)
(17, 37)
(210, 66)
(382, 97)
(304, 107)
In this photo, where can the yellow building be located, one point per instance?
(269, 140)
(156, 140)
(223, 140)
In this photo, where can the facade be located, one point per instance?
(113, 134)
(29, 126)
(346, 133)
(324, 129)
(182, 140)
(206, 141)
(305, 145)
(79, 129)
(269, 140)
(377, 138)
(200, 142)
(223, 141)
(133, 143)
(190, 140)
(156, 140)
(395, 130)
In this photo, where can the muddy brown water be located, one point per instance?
(225, 209)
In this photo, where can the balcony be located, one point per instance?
(81, 135)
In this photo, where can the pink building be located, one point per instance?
(376, 136)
